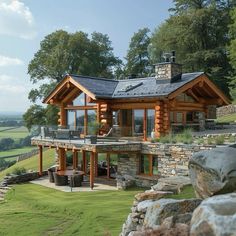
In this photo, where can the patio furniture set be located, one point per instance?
(68, 177)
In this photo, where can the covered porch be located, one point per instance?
(85, 157)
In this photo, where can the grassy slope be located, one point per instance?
(32, 163)
(16, 151)
(36, 210)
(227, 118)
(17, 133)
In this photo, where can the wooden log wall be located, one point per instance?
(162, 120)
(104, 116)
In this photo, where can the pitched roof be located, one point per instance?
(149, 87)
(131, 88)
(100, 87)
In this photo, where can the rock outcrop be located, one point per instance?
(213, 172)
(215, 216)
(173, 183)
(163, 208)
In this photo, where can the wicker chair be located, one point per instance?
(76, 180)
(60, 180)
(50, 174)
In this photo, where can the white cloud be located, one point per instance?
(9, 84)
(10, 61)
(16, 19)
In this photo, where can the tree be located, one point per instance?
(35, 115)
(198, 32)
(137, 55)
(232, 53)
(61, 53)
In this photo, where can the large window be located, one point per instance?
(80, 100)
(150, 121)
(138, 121)
(148, 164)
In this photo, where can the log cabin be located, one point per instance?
(140, 106)
(137, 109)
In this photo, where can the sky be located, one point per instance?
(24, 23)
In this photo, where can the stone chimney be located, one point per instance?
(168, 69)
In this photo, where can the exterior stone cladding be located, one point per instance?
(167, 70)
(225, 110)
(172, 161)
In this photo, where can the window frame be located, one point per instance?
(150, 161)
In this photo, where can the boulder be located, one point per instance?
(176, 230)
(213, 172)
(215, 216)
(173, 183)
(151, 195)
(163, 208)
(128, 226)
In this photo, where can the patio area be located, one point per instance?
(98, 185)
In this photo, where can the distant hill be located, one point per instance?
(11, 113)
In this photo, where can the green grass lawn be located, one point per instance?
(227, 118)
(32, 163)
(16, 151)
(36, 210)
(17, 133)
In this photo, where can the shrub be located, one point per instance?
(231, 139)
(220, 139)
(200, 141)
(210, 140)
(19, 171)
(166, 139)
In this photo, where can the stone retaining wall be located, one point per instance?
(172, 161)
(225, 110)
(16, 179)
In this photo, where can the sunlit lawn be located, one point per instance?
(36, 210)
(32, 163)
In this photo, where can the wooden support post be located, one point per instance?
(85, 122)
(108, 165)
(84, 162)
(145, 125)
(96, 164)
(75, 160)
(62, 115)
(40, 160)
(92, 157)
(62, 159)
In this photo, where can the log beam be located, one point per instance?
(92, 157)
(62, 159)
(75, 160)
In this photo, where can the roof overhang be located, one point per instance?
(202, 84)
(67, 90)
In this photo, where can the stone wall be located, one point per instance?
(173, 158)
(225, 110)
(16, 179)
(172, 161)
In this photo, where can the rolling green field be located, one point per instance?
(32, 163)
(15, 133)
(16, 151)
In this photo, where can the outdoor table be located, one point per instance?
(73, 175)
